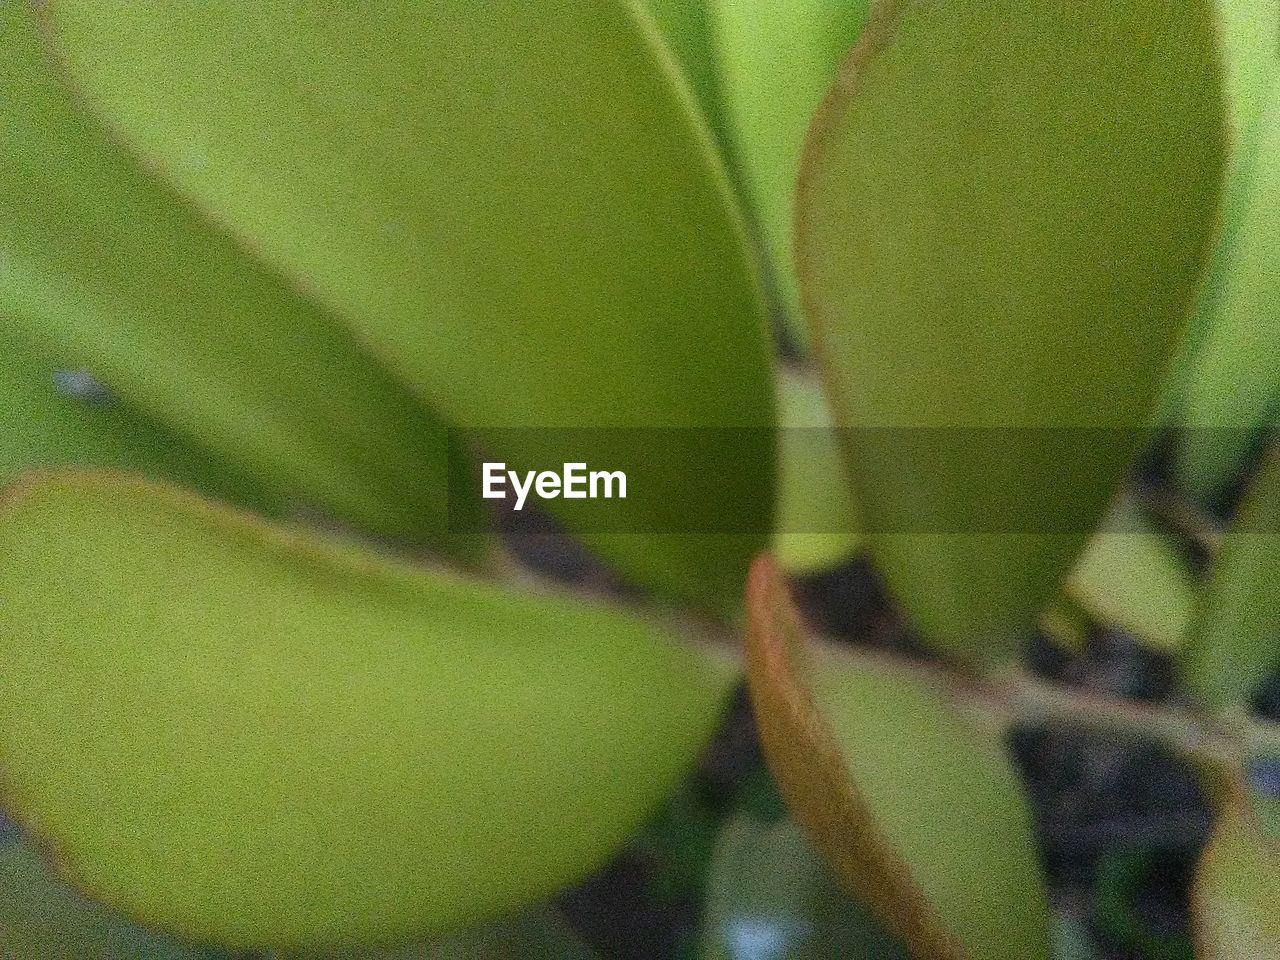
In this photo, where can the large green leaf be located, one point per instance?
(777, 58)
(917, 809)
(1237, 890)
(1002, 218)
(817, 521)
(258, 739)
(1132, 576)
(520, 211)
(43, 919)
(1233, 385)
(770, 897)
(1236, 642)
(102, 268)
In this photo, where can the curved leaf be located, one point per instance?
(55, 416)
(259, 739)
(1249, 31)
(770, 896)
(918, 811)
(686, 25)
(1135, 578)
(1237, 890)
(105, 270)
(817, 521)
(777, 58)
(520, 211)
(1232, 391)
(1003, 214)
(1236, 642)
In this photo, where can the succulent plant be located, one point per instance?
(276, 278)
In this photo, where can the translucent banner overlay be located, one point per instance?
(716, 481)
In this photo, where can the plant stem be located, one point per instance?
(1201, 740)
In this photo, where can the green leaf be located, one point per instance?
(1132, 576)
(1237, 890)
(43, 919)
(817, 521)
(259, 739)
(1232, 391)
(102, 268)
(777, 59)
(1003, 215)
(520, 212)
(48, 424)
(916, 808)
(686, 27)
(1249, 31)
(770, 898)
(1236, 642)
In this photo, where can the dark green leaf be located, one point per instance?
(1003, 214)
(103, 269)
(519, 211)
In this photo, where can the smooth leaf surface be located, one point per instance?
(770, 896)
(1236, 642)
(1249, 33)
(44, 919)
(259, 739)
(102, 268)
(1132, 576)
(521, 212)
(1237, 890)
(817, 520)
(1003, 214)
(54, 416)
(686, 27)
(915, 808)
(777, 58)
(1233, 388)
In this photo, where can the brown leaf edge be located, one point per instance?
(815, 781)
(1237, 824)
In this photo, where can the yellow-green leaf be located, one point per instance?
(1003, 214)
(817, 522)
(1236, 641)
(102, 268)
(1232, 392)
(777, 58)
(520, 212)
(917, 809)
(258, 739)
(686, 27)
(55, 415)
(1132, 576)
(1237, 889)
